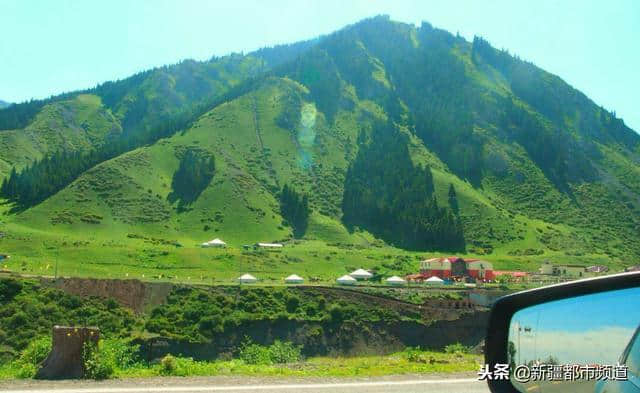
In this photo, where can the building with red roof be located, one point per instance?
(457, 268)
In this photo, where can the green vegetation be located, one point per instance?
(192, 177)
(295, 209)
(396, 202)
(276, 353)
(229, 321)
(410, 361)
(407, 362)
(195, 315)
(28, 311)
(401, 138)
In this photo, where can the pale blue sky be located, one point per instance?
(48, 47)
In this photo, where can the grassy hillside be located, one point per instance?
(535, 178)
(76, 124)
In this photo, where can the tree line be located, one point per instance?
(294, 208)
(394, 199)
(192, 176)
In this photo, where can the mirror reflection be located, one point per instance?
(582, 344)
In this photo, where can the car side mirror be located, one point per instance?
(572, 337)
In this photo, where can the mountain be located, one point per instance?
(4, 104)
(386, 133)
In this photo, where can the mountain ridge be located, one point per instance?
(537, 169)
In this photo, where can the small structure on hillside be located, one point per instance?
(346, 280)
(247, 279)
(214, 243)
(294, 279)
(576, 271)
(395, 281)
(268, 246)
(361, 274)
(434, 280)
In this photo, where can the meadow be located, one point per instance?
(121, 255)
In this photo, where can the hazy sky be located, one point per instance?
(47, 47)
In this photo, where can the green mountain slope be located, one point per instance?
(143, 107)
(80, 123)
(4, 104)
(528, 167)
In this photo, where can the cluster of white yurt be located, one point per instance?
(249, 279)
(361, 274)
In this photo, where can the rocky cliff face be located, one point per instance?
(333, 339)
(133, 294)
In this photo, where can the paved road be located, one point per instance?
(215, 384)
(559, 387)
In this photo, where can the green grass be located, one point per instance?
(116, 221)
(422, 362)
(114, 255)
(368, 366)
(76, 124)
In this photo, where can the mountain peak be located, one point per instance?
(413, 135)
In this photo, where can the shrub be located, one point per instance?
(98, 365)
(26, 371)
(414, 355)
(120, 353)
(168, 365)
(337, 314)
(284, 352)
(277, 353)
(255, 354)
(456, 348)
(293, 302)
(32, 356)
(9, 289)
(36, 352)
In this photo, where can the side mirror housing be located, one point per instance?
(592, 322)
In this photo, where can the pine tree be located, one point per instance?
(294, 208)
(453, 199)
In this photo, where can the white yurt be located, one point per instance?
(217, 243)
(294, 279)
(346, 280)
(361, 274)
(247, 279)
(434, 280)
(395, 280)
